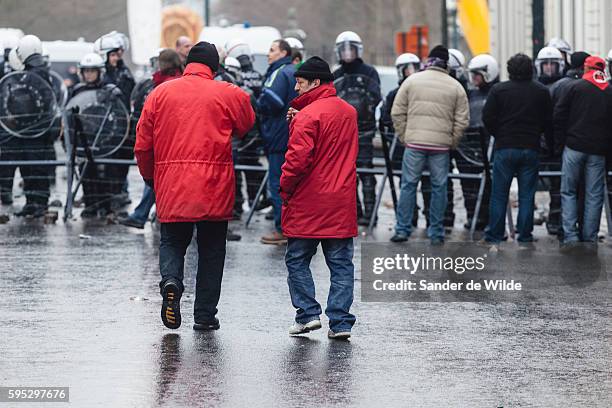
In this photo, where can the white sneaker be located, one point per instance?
(492, 247)
(339, 336)
(299, 328)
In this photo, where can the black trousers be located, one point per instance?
(36, 179)
(174, 241)
(609, 183)
(97, 187)
(253, 179)
(553, 186)
(365, 159)
(117, 173)
(9, 151)
(470, 188)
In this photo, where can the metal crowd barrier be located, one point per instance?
(387, 173)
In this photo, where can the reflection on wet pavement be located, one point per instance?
(84, 313)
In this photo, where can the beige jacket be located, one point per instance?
(431, 107)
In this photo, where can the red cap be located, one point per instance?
(595, 62)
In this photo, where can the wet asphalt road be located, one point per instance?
(84, 313)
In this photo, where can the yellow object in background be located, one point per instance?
(474, 20)
(179, 20)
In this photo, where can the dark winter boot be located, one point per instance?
(207, 326)
(32, 210)
(171, 304)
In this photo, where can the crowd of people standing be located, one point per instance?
(207, 109)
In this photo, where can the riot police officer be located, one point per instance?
(358, 83)
(229, 71)
(564, 48)
(233, 72)
(456, 65)
(98, 181)
(36, 179)
(483, 72)
(232, 67)
(406, 65)
(251, 79)
(250, 147)
(111, 47)
(10, 144)
(222, 74)
(91, 69)
(550, 67)
(7, 64)
(298, 55)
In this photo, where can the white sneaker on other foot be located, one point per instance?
(338, 336)
(299, 328)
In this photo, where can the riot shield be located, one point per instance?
(362, 93)
(28, 105)
(4, 136)
(474, 146)
(59, 89)
(98, 121)
(138, 97)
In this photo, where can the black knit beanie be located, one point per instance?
(440, 52)
(577, 59)
(204, 53)
(315, 68)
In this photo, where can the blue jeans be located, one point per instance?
(275, 162)
(413, 164)
(141, 212)
(522, 163)
(339, 258)
(591, 169)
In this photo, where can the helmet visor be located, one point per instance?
(347, 51)
(549, 68)
(405, 70)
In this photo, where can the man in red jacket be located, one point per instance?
(183, 148)
(318, 184)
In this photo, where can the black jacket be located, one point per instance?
(517, 113)
(385, 124)
(121, 76)
(366, 108)
(477, 98)
(111, 90)
(583, 119)
(357, 67)
(223, 75)
(37, 65)
(251, 79)
(559, 88)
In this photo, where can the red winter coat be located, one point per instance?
(159, 77)
(319, 175)
(183, 143)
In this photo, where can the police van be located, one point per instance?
(259, 39)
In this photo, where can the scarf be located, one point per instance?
(597, 78)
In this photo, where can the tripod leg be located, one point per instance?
(263, 184)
